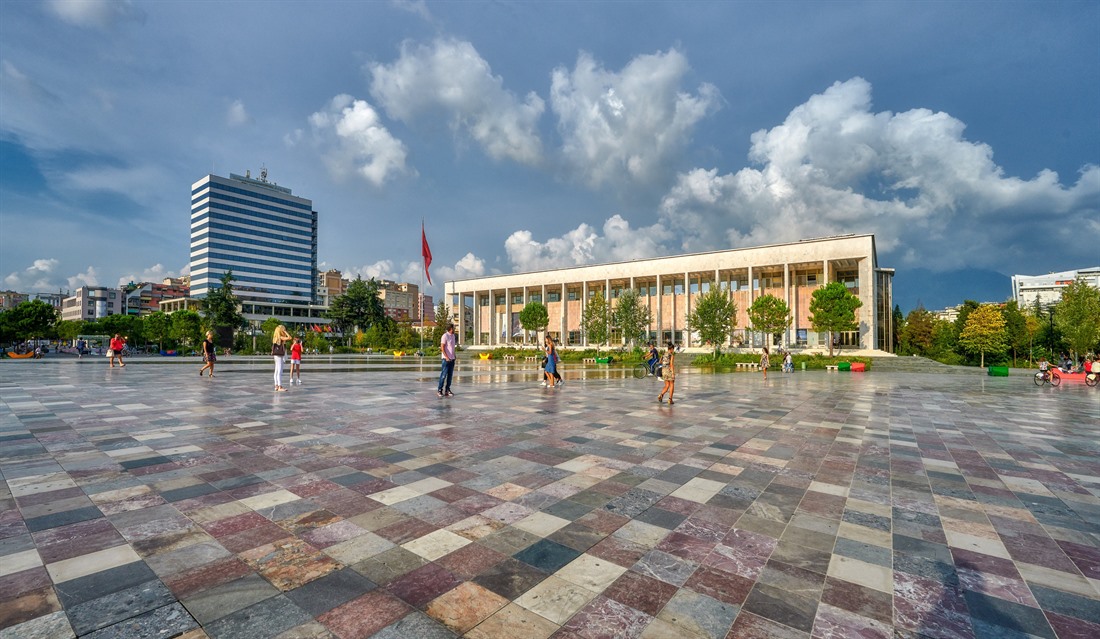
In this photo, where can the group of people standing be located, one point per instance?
(278, 354)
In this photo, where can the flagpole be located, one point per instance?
(420, 301)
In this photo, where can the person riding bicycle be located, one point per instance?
(653, 357)
(1044, 367)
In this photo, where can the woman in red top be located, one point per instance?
(296, 362)
(116, 346)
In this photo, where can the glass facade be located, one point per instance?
(262, 232)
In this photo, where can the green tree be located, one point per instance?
(187, 327)
(769, 315)
(158, 327)
(33, 319)
(1078, 316)
(221, 306)
(944, 339)
(442, 317)
(359, 308)
(534, 317)
(833, 309)
(594, 320)
(1031, 326)
(7, 329)
(632, 316)
(714, 317)
(1015, 328)
(68, 330)
(899, 324)
(916, 336)
(984, 332)
(120, 324)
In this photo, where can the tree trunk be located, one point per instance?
(982, 365)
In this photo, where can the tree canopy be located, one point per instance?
(714, 316)
(31, 319)
(769, 315)
(631, 316)
(1078, 316)
(359, 308)
(594, 319)
(984, 331)
(833, 309)
(221, 305)
(534, 317)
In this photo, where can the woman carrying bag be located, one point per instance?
(278, 352)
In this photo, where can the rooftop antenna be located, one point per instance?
(263, 173)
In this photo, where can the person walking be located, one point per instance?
(668, 374)
(209, 354)
(278, 352)
(551, 370)
(447, 345)
(296, 362)
(117, 344)
(764, 363)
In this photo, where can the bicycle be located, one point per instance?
(1047, 377)
(642, 369)
(1093, 378)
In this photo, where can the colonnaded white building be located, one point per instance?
(487, 308)
(1046, 290)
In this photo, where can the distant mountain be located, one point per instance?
(938, 290)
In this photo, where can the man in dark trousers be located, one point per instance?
(447, 345)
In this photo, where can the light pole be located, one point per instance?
(1050, 310)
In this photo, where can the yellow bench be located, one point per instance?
(486, 356)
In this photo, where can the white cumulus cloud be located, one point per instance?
(585, 245)
(155, 273)
(95, 13)
(627, 126)
(451, 77)
(357, 141)
(35, 278)
(237, 115)
(929, 194)
(87, 278)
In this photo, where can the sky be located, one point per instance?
(531, 135)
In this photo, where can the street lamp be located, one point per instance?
(1050, 310)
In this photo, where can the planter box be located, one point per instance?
(844, 366)
(998, 371)
(604, 360)
(858, 367)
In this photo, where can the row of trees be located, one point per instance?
(833, 309)
(38, 320)
(1005, 332)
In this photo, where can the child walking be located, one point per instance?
(668, 374)
(296, 362)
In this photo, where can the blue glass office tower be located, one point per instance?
(265, 234)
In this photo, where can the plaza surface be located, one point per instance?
(147, 502)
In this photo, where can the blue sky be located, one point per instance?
(965, 135)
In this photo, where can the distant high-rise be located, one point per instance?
(260, 231)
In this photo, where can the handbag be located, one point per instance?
(278, 350)
(110, 352)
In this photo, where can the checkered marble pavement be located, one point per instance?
(147, 502)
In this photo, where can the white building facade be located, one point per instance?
(93, 302)
(1048, 288)
(670, 286)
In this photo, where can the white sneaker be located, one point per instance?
(558, 383)
(542, 384)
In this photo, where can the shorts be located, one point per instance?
(295, 361)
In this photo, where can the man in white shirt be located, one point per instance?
(447, 368)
